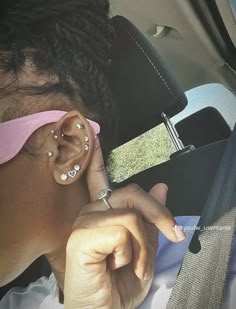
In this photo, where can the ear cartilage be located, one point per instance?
(50, 154)
(80, 126)
(64, 177)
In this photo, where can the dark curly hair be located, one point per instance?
(56, 54)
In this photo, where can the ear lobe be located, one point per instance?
(74, 147)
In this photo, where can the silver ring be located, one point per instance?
(108, 205)
(103, 195)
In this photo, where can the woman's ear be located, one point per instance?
(73, 146)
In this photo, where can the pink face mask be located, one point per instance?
(14, 133)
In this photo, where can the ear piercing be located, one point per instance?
(86, 148)
(64, 177)
(56, 136)
(71, 173)
(77, 168)
(80, 126)
(86, 139)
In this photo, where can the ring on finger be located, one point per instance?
(104, 195)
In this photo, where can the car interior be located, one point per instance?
(162, 49)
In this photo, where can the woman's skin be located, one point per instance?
(101, 259)
(37, 209)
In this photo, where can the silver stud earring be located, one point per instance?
(64, 177)
(74, 172)
(86, 147)
(86, 139)
(80, 126)
(71, 173)
(62, 135)
(77, 168)
(54, 136)
(50, 154)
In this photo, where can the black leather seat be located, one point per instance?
(141, 82)
(144, 88)
(204, 127)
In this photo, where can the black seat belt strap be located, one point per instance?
(200, 283)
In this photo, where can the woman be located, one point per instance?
(53, 59)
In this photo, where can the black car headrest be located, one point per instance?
(142, 85)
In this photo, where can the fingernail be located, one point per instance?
(147, 276)
(179, 232)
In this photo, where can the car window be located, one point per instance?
(233, 7)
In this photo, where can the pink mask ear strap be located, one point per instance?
(14, 133)
(95, 126)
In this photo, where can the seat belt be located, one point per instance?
(201, 280)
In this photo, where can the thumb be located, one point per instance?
(159, 193)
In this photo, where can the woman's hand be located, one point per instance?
(110, 256)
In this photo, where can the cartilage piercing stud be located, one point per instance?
(54, 136)
(80, 126)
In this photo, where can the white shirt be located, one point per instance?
(42, 294)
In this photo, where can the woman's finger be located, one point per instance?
(128, 219)
(132, 196)
(96, 175)
(159, 193)
(97, 243)
(87, 275)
